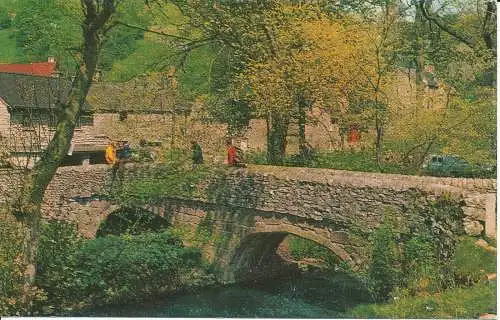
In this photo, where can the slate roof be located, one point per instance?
(124, 97)
(21, 91)
(119, 97)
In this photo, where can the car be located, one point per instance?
(455, 166)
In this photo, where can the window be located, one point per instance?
(30, 118)
(85, 119)
(17, 117)
(122, 115)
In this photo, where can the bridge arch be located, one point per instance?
(132, 220)
(256, 255)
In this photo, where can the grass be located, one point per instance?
(340, 160)
(470, 264)
(453, 303)
(355, 161)
(8, 53)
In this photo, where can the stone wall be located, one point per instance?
(241, 209)
(4, 118)
(315, 194)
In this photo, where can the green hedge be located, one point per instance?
(110, 269)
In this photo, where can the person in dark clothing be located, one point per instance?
(197, 153)
(125, 152)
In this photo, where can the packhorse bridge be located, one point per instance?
(245, 214)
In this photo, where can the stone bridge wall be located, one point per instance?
(337, 209)
(341, 197)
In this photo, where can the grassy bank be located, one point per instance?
(453, 303)
(363, 160)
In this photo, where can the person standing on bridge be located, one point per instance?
(232, 155)
(197, 154)
(110, 153)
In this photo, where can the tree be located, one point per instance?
(317, 63)
(42, 31)
(462, 119)
(97, 18)
(475, 27)
(245, 32)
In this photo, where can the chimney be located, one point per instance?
(51, 60)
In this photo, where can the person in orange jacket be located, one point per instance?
(110, 153)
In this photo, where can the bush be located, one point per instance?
(111, 269)
(12, 269)
(56, 265)
(256, 157)
(302, 248)
(120, 269)
(132, 221)
(455, 303)
(383, 272)
(11, 265)
(149, 185)
(421, 267)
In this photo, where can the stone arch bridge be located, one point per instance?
(248, 212)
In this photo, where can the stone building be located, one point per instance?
(137, 110)
(29, 95)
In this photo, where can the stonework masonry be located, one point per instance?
(246, 213)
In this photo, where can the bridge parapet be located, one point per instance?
(259, 205)
(340, 197)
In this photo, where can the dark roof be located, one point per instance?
(126, 97)
(27, 91)
(46, 69)
(123, 97)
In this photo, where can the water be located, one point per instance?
(304, 297)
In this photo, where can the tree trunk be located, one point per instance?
(303, 150)
(35, 182)
(277, 130)
(378, 142)
(419, 59)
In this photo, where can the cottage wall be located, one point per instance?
(4, 118)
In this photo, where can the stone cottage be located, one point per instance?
(29, 94)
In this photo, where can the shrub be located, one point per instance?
(119, 269)
(421, 268)
(132, 221)
(12, 269)
(455, 303)
(11, 265)
(302, 248)
(383, 272)
(174, 179)
(110, 269)
(56, 265)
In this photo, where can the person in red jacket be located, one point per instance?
(232, 154)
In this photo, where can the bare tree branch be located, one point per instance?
(466, 39)
(168, 35)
